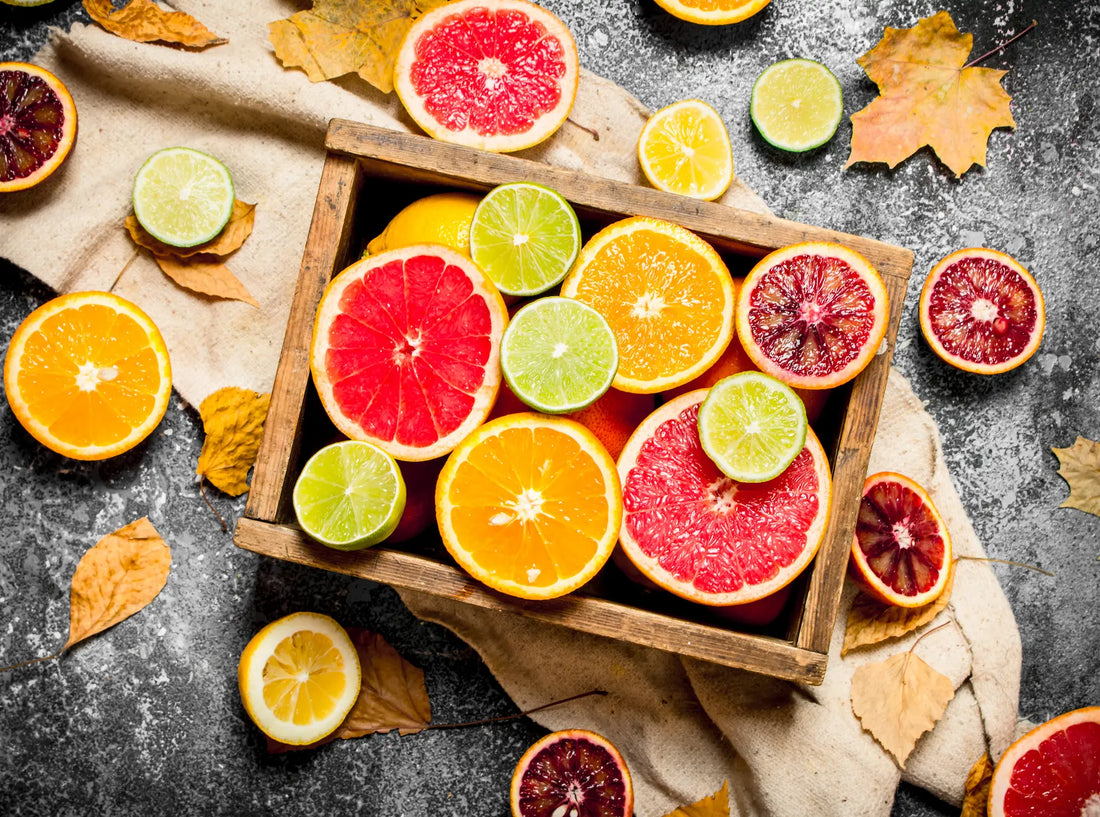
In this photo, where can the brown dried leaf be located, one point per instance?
(233, 420)
(1080, 467)
(116, 577)
(143, 21)
(207, 275)
(336, 38)
(871, 621)
(227, 241)
(976, 800)
(717, 805)
(898, 700)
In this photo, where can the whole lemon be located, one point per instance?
(443, 218)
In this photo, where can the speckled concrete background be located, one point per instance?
(147, 718)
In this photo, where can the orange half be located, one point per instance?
(530, 505)
(713, 12)
(88, 375)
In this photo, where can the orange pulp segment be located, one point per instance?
(713, 12)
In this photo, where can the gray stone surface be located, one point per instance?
(147, 718)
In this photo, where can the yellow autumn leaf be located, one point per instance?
(233, 419)
(229, 240)
(337, 37)
(1080, 468)
(717, 805)
(872, 622)
(143, 21)
(207, 276)
(976, 799)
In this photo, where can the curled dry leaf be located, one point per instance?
(871, 621)
(898, 700)
(976, 799)
(338, 37)
(143, 21)
(1080, 468)
(229, 240)
(717, 805)
(928, 96)
(207, 275)
(233, 419)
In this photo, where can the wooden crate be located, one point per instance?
(370, 173)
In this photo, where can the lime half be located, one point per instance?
(350, 495)
(183, 197)
(752, 426)
(558, 355)
(525, 237)
(796, 105)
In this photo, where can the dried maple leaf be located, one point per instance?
(1080, 467)
(206, 275)
(337, 37)
(976, 799)
(871, 621)
(229, 240)
(233, 419)
(717, 805)
(898, 700)
(143, 21)
(929, 95)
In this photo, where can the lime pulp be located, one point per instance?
(350, 495)
(558, 355)
(797, 105)
(752, 426)
(183, 197)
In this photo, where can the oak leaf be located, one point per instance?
(233, 419)
(976, 799)
(143, 21)
(229, 240)
(717, 805)
(871, 621)
(1080, 467)
(898, 700)
(206, 275)
(929, 95)
(338, 37)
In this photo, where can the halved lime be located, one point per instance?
(183, 197)
(752, 426)
(525, 237)
(558, 355)
(796, 105)
(350, 495)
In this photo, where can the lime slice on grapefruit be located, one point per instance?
(183, 197)
(558, 355)
(526, 238)
(350, 495)
(796, 105)
(752, 426)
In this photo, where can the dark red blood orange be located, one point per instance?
(901, 550)
(812, 315)
(37, 125)
(705, 537)
(419, 513)
(575, 773)
(981, 311)
(500, 75)
(406, 350)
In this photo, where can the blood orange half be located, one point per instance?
(901, 550)
(1052, 771)
(37, 125)
(406, 350)
(705, 537)
(575, 773)
(981, 311)
(813, 314)
(500, 75)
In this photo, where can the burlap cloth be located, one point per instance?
(683, 725)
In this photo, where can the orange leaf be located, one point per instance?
(143, 21)
(233, 420)
(115, 578)
(1080, 468)
(227, 241)
(336, 38)
(928, 97)
(206, 275)
(976, 800)
(717, 805)
(871, 621)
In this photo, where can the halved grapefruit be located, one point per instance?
(37, 125)
(705, 537)
(499, 75)
(813, 314)
(406, 350)
(901, 550)
(981, 311)
(574, 773)
(1053, 770)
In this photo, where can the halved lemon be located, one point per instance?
(685, 148)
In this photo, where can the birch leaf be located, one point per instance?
(233, 419)
(717, 805)
(206, 275)
(976, 799)
(143, 21)
(1080, 467)
(229, 240)
(871, 621)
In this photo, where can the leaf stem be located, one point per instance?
(517, 715)
(1004, 562)
(1002, 46)
(595, 133)
(213, 510)
(909, 654)
(57, 654)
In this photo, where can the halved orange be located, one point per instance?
(88, 375)
(713, 12)
(37, 125)
(667, 295)
(530, 505)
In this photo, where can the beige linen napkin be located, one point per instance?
(684, 726)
